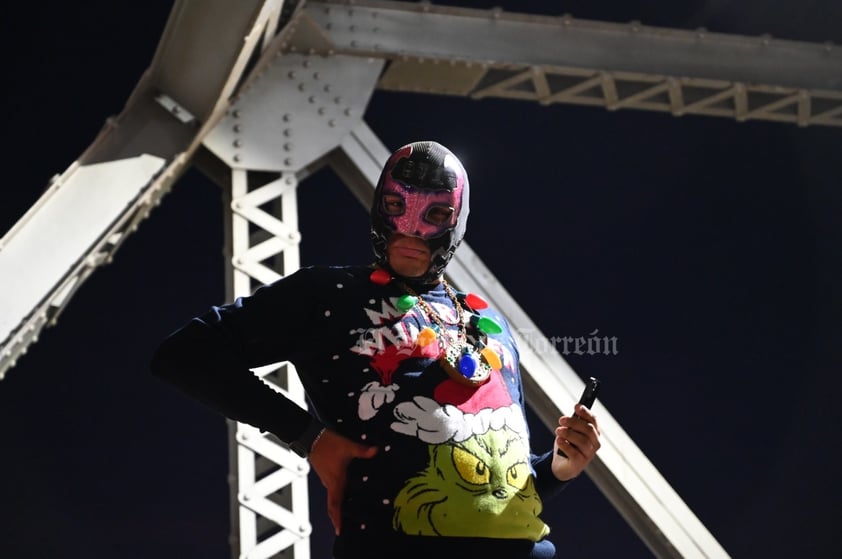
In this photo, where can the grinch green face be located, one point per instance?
(480, 487)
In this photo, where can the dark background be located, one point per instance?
(709, 248)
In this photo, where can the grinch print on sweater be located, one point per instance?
(477, 481)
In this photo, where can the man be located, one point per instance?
(418, 431)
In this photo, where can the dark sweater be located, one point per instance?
(454, 466)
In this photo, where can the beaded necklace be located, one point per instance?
(466, 362)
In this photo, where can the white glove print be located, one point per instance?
(373, 397)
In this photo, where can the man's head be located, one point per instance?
(421, 200)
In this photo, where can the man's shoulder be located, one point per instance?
(315, 281)
(321, 277)
(335, 273)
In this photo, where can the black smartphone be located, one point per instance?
(590, 392)
(587, 399)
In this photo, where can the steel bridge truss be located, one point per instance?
(261, 93)
(268, 483)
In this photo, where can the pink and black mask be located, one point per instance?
(422, 192)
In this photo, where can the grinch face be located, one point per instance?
(480, 487)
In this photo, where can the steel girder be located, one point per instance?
(268, 483)
(127, 169)
(490, 53)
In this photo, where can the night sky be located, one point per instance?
(709, 248)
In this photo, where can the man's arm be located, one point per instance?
(210, 358)
(195, 360)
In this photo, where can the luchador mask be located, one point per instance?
(422, 192)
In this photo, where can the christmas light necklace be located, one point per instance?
(467, 361)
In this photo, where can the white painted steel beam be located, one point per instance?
(101, 198)
(491, 53)
(75, 226)
(269, 488)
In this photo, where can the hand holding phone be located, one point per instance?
(587, 399)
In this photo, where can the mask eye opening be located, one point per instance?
(438, 214)
(393, 204)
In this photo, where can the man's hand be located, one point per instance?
(578, 439)
(329, 457)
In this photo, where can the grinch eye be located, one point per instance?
(470, 468)
(518, 475)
